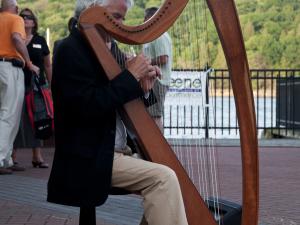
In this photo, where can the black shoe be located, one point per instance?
(39, 164)
(5, 171)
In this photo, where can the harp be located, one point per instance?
(96, 21)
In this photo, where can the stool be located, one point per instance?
(87, 216)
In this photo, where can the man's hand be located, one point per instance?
(140, 67)
(22, 49)
(33, 68)
(148, 81)
(158, 72)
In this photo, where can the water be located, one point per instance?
(185, 110)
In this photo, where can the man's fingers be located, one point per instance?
(148, 60)
(152, 74)
(158, 71)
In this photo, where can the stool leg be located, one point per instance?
(87, 216)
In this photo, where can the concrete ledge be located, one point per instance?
(284, 142)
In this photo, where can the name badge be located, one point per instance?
(37, 46)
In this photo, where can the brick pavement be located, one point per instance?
(23, 200)
(22, 195)
(19, 213)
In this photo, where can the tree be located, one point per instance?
(271, 29)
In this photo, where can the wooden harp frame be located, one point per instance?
(96, 21)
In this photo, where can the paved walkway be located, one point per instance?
(23, 200)
(23, 194)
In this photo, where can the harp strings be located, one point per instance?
(197, 154)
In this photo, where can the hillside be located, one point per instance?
(271, 30)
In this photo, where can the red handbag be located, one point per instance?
(40, 110)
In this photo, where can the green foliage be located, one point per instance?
(52, 14)
(271, 30)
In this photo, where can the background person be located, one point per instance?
(40, 55)
(13, 57)
(72, 21)
(90, 137)
(160, 52)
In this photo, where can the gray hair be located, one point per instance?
(5, 4)
(84, 4)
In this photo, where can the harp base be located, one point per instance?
(230, 213)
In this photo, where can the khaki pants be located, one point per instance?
(11, 101)
(157, 184)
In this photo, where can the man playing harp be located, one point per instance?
(88, 131)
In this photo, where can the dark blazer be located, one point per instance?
(85, 104)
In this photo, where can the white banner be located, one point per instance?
(187, 86)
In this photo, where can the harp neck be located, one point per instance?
(144, 33)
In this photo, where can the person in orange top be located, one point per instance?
(13, 57)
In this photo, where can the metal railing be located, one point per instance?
(275, 94)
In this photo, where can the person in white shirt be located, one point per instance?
(160, 52)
